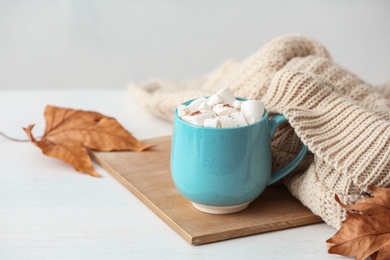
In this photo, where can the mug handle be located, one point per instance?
(274, 123)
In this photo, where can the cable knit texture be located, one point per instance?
(344, 121)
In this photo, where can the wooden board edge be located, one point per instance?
(216, 237)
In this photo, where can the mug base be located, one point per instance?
(220, 209)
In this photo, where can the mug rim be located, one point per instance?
(176, 116)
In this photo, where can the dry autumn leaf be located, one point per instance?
(366, 231)
(70, 132)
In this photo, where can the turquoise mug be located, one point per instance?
(222, 170)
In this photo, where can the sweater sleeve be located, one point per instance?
(350, 141)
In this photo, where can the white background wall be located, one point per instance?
(106, 44)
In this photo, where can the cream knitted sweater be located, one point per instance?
(344, 121)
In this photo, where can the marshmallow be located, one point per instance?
(194, 106)
(250, 120)
(253, 110)
(182, 110)
(213, 100)
(223, 109)
(205, 106)
(233, 120)
(211, 122)
(198, 117)
(237, 104)
(226, 95)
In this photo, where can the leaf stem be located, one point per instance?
(13, 139)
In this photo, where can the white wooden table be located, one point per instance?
(50, 211)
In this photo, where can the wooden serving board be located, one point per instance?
(147, 175)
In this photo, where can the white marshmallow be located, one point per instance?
(204, 105)
(211, 122)
(237, 104)
(222, 109)
(250, 120)
(233, 120)
(213, 100)
(253, 109)
(182, 110)
(194, 106)
(198, 117)
(226, 95)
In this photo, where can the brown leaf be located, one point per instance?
(366, 231)
(69, 132)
